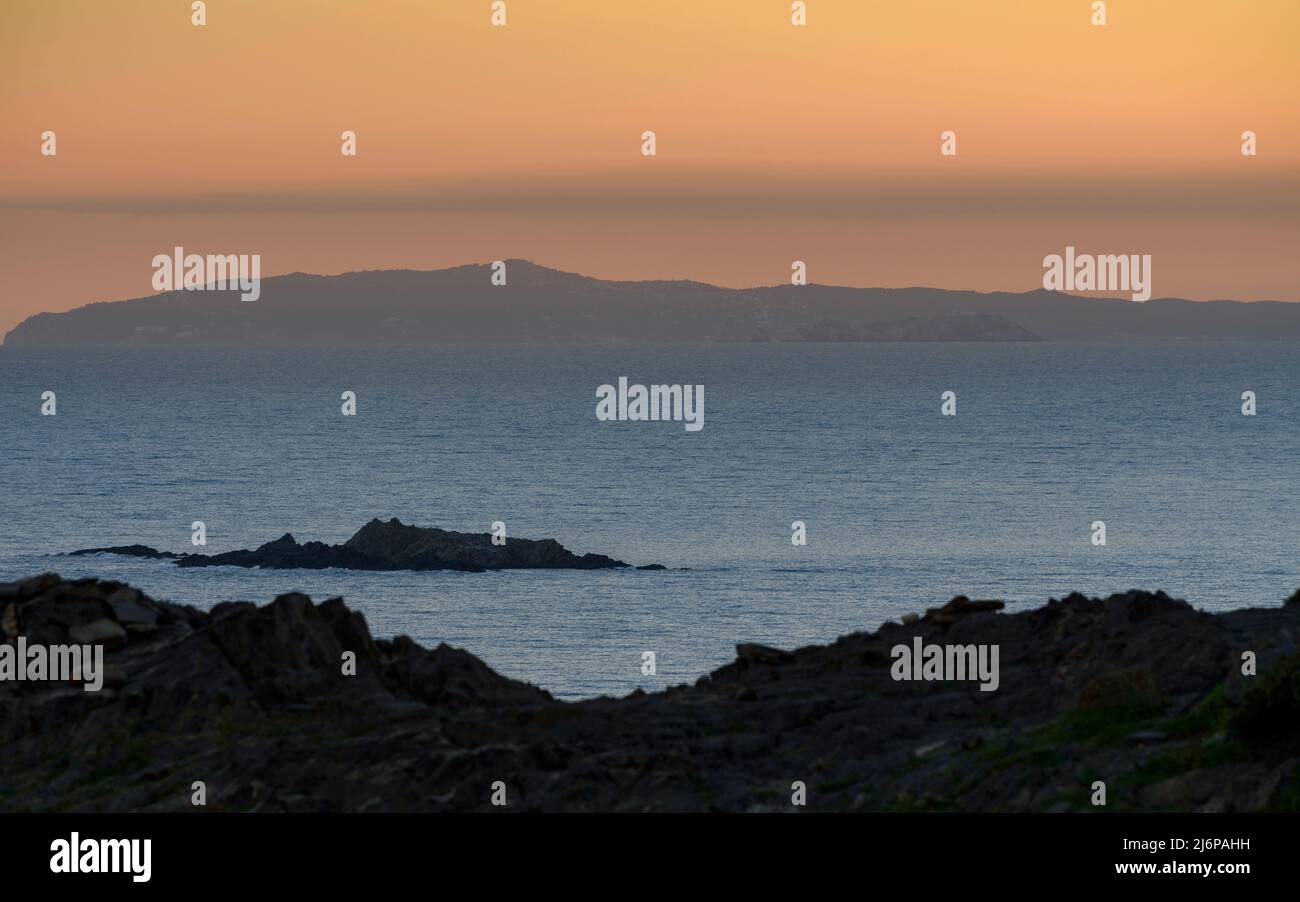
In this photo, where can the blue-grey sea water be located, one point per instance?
(904, 507)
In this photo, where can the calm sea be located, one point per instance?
(904, 507)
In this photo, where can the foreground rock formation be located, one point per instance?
(1139, 690)
(391, 546)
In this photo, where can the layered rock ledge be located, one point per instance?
(1138, 690)
(391, 545)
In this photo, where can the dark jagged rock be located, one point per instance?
(392, 545)
(1139, 690)
(959, 607)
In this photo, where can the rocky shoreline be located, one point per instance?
(391, 545)
(1139, 690)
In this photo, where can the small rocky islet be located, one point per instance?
(1139, 690)
(392, 545)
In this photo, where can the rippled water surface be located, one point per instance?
(904, 507)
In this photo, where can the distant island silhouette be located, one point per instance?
(538, 304)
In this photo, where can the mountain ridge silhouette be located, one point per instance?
(541, 304)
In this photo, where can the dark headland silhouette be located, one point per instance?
(538, 304)
(1139, 690)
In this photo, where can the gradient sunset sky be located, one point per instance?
(775, 142)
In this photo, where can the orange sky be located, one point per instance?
(775, 143)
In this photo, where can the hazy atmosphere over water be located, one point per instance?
(775, 143)
(904, 507)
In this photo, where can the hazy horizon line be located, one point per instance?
(487, 265)
(727, 190)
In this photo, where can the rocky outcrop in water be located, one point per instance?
(1138, 690)
(392, 545)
